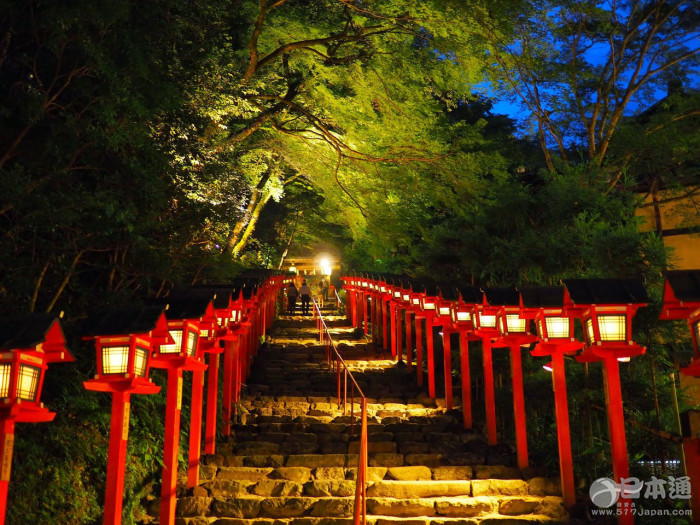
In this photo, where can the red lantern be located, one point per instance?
(461, 313)
(555, 329)
(27, 344)
(484, 323)
(184, 324)
(124, 340)
(514, 332)
(607, 307)
(682, 301)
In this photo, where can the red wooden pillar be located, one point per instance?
(212, 402)
(516, 375)
(466, 378)
(419, 350)
(7, 443)
(231, 364)
(394, 314)
(365, 313)
(195, 445)
(385, 339)
(409, 342)
(489, 395)
(399, 336)
(430, 355)
(373, 315)
(171, 447)
(561, 407)
(119, 434)
(616, 428)
(691, 449)
(447, 367)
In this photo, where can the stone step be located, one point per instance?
(387, 520)
(292, 456)
(343, 466)
(250, 506)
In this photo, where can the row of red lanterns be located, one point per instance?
(504, 317)
(175, 335)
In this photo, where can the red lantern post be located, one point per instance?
(608, 306)
(682, 302)
(555, 329)
(232, 345)
(514, 332)
(208, 345)
(443, 318)
(428, 306)
(27, 345)
(396, 299)
(484, 322)
(462, 322)
(184, 326)
(386, 291)
(124, 341)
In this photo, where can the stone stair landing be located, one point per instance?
(292, 456)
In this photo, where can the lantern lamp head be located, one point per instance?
(608, 306)
(27, 344)
(124, 340)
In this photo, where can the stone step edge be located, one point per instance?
(532, 507)
(376, 519)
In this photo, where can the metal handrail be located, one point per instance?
(332, 354)
(338, 300)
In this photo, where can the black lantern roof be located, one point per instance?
(606, 291)
(471, 294)
(24, 331)
(185, 306)
(543, 296)
(124, 321)
(502, 296)
(449, 292)
(685, 284)
(220, 292)
(259, 273)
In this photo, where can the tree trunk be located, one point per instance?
(239, 231)
(250, 226)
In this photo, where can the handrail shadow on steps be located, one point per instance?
(333, 356)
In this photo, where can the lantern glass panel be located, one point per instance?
(191, 343)
(516, 324)
(397, 295)
(115, 359)
(557, 327)
(174, 348)
(204, 333)
(444, 310)
(406, 297)
(462, 316)
(487, 321)
(222, 321)
(428, 305)
(612, 327)
(5, 373)
(28, 382)
(589, 330)
(416, 301)
(140, 361)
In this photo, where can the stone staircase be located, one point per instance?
(292, 458)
